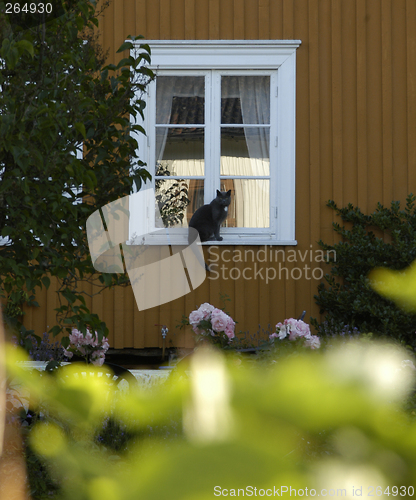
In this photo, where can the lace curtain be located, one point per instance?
(246, 101)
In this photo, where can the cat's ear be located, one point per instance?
(229, 192)
(218, 193)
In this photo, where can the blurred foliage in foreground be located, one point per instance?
(330, 421)
(398, 286)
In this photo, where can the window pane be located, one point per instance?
(245, 99)
(250, 202)
(179, 151)
(245, 151)
(180, 100)
(178, 199)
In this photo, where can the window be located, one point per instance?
(221, 115)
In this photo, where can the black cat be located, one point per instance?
(207, 219)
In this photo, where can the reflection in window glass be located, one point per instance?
(180, 100)
(245, 151)
(245, 99)
(178, 199)
(180, 151)
(250, 200)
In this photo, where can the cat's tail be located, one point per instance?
(192, 236)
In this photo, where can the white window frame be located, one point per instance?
(274, 57)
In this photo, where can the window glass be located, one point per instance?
(180, 147)
(179, 151)
(180, 100)
(245, 151)
(245, 99)
(250, 203)
(178, 199)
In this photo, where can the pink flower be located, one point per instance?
(206, 309)
(87, 346)
(293, 328)
(197, 330)
(88, 339)
(81, 349)
(195, 317)
(75, 336)
(221, 323)
(229, 329)
(303, 328)
(97, 358)
(283, 331)
(219, 320)
(298, 328)
(313, 342)
(68, 354)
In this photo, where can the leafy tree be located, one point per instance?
(385, 238)
(67, 148)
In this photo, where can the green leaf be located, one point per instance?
(92, 176)
(125, 46)
(80, 127)
(70, 170)
(27, 46)
(55, 330)
(65, 342)
(46, 281)
(5, 48)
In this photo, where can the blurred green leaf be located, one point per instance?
(315, 421)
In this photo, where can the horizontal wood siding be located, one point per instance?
(356, 129)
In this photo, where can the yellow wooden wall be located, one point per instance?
(356, 134)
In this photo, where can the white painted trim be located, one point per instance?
(244, 55)
(200, 54)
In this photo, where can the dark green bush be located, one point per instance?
(386, 238)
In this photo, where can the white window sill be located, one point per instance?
(232, 241)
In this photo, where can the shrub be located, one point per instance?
(385, 238)
(317, 421)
